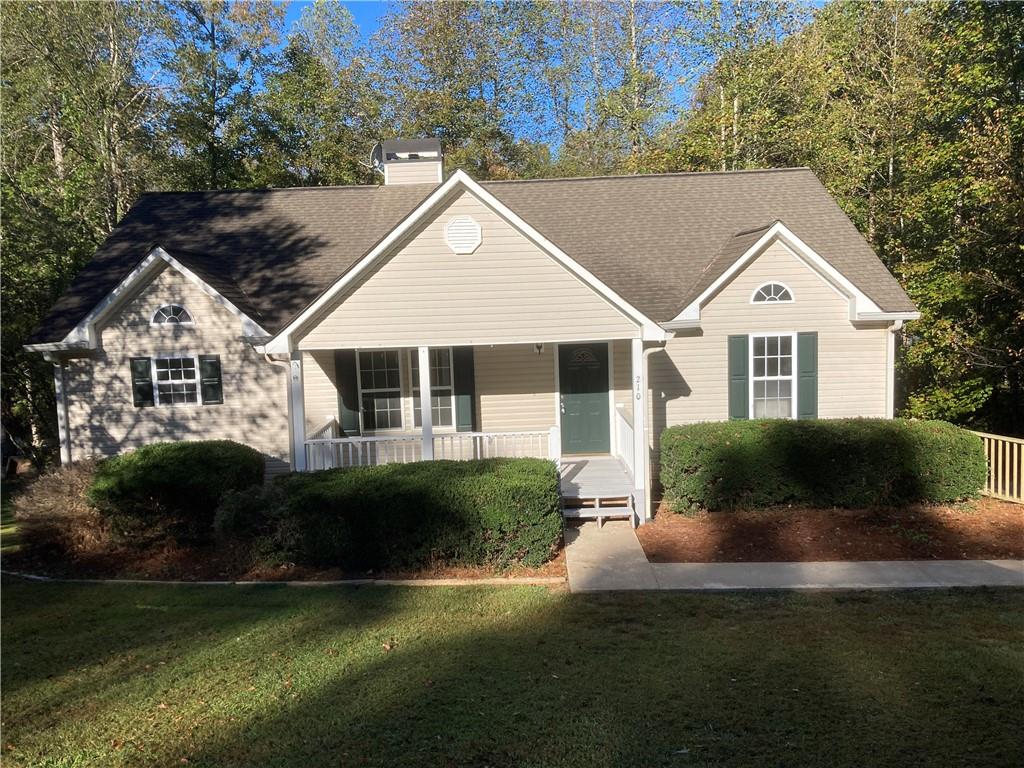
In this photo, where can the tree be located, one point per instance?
(318, 114)
(218, 54)
(454, 70)
(76, 117)
(964, 238)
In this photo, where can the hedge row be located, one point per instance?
(172, 488)
(495, 512)
(824, 463)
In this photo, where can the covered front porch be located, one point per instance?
(569, 402)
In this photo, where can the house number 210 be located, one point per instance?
(637, 389)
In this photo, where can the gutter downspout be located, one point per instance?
(890, 369)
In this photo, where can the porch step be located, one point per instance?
(598, 508)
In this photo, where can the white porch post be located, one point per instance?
(297, 407)
(426, 414)
(639, 429)
(60, 390)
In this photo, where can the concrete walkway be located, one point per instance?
(611, 559)
(608, 558)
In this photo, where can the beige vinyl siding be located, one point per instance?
(102, 419)
(515, 387)
(507, 291)
(689, 379)
(319, 388)
(413, 173)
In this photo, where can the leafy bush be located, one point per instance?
(54, 516)
(172, 488)
(842, 463)
(495, 512)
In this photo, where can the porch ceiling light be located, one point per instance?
(463, 234)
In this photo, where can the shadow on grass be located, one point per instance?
(477, 676)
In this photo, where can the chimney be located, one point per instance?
(418, 161)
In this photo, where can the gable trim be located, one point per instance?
(85, 335)
(281, 342)
(862, 307)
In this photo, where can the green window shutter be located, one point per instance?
(142, 382)
(807, 375)
(348, 390)
(464, 383)
(739, 388)
(211, 385)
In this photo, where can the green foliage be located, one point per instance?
(495, 512)
(172, 488)
(823, 463)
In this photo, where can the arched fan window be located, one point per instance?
(172, 314)
(771, 293)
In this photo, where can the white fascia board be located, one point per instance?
(84, 334)
(861, 305)
(890, 316)
(281, 343)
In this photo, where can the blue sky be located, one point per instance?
(367, 14)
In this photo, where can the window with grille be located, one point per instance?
(772, 293)
(380, 389)
(772, 380)
(177, 380)
(441, 411)
(172, 314)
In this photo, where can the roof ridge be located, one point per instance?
(242, 190)
(365, 187)
(736, 172)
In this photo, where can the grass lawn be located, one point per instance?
(272, 675)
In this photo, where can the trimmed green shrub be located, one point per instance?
(495, 512)
(825, 463)
(172, 488)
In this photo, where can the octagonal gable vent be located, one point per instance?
(463, 234)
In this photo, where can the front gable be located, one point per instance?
(778, 238)
(813, 298)
(465, 276)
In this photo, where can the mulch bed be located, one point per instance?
(986, 529)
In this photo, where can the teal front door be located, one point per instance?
(583, 397)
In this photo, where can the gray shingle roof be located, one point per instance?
(652, 239)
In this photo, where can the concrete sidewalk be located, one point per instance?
(611, 559)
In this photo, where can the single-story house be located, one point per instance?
(440, 317)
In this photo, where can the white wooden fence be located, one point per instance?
(1005, 457)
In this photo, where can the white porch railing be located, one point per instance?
(1005, 457)
(335, 452)
(491, 445)
(624, 439)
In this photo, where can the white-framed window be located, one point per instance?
(172, 314)
(176, 380)
(380, 389)
(772, 293)
(442, 400)
(773, 375)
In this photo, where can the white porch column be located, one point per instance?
(63, 431)
(640, 452)
(426, 413)
(297, 410)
